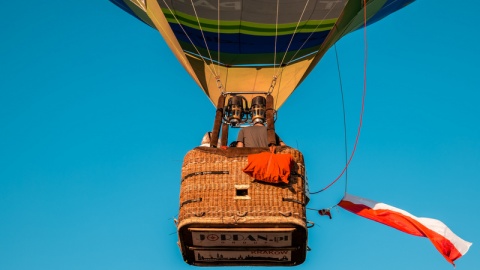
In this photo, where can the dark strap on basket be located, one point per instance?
(204, 173)
(292, 200)
(190, 201)
(298, 175)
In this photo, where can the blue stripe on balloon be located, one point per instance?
(248, 44)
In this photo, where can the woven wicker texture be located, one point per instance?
(215, 190)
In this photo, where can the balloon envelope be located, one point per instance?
(254, 45)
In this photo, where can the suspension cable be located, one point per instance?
(218, 32)
(279, 87)
(311, 34)
(280, 70)
(363, 98)
(278, 74)
(272, 84)
(294, 32)
(344, 118)
(203, 35)
(275, 45)
(191, 42)
(217, 77)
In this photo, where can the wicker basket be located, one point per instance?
(228, 218)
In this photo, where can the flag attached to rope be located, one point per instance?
(447, 243)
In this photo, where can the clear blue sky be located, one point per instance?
(92, 138)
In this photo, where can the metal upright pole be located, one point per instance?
(224, 134)
(218, 121)
(270, 122)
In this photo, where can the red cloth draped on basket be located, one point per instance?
(269, 167)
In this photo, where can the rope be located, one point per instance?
(190, 40)
(218, 31)
(278, 74)
(363, 98)
(309, 36)
(294, 32)
(275, 45)
(203, 36)
(220, 86)
(278, 92)
(344, 118)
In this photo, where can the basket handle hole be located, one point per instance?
(241, 192)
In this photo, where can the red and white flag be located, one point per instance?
(447, 243)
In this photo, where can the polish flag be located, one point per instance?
(447, 243)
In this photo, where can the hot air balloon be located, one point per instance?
(239, 52)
